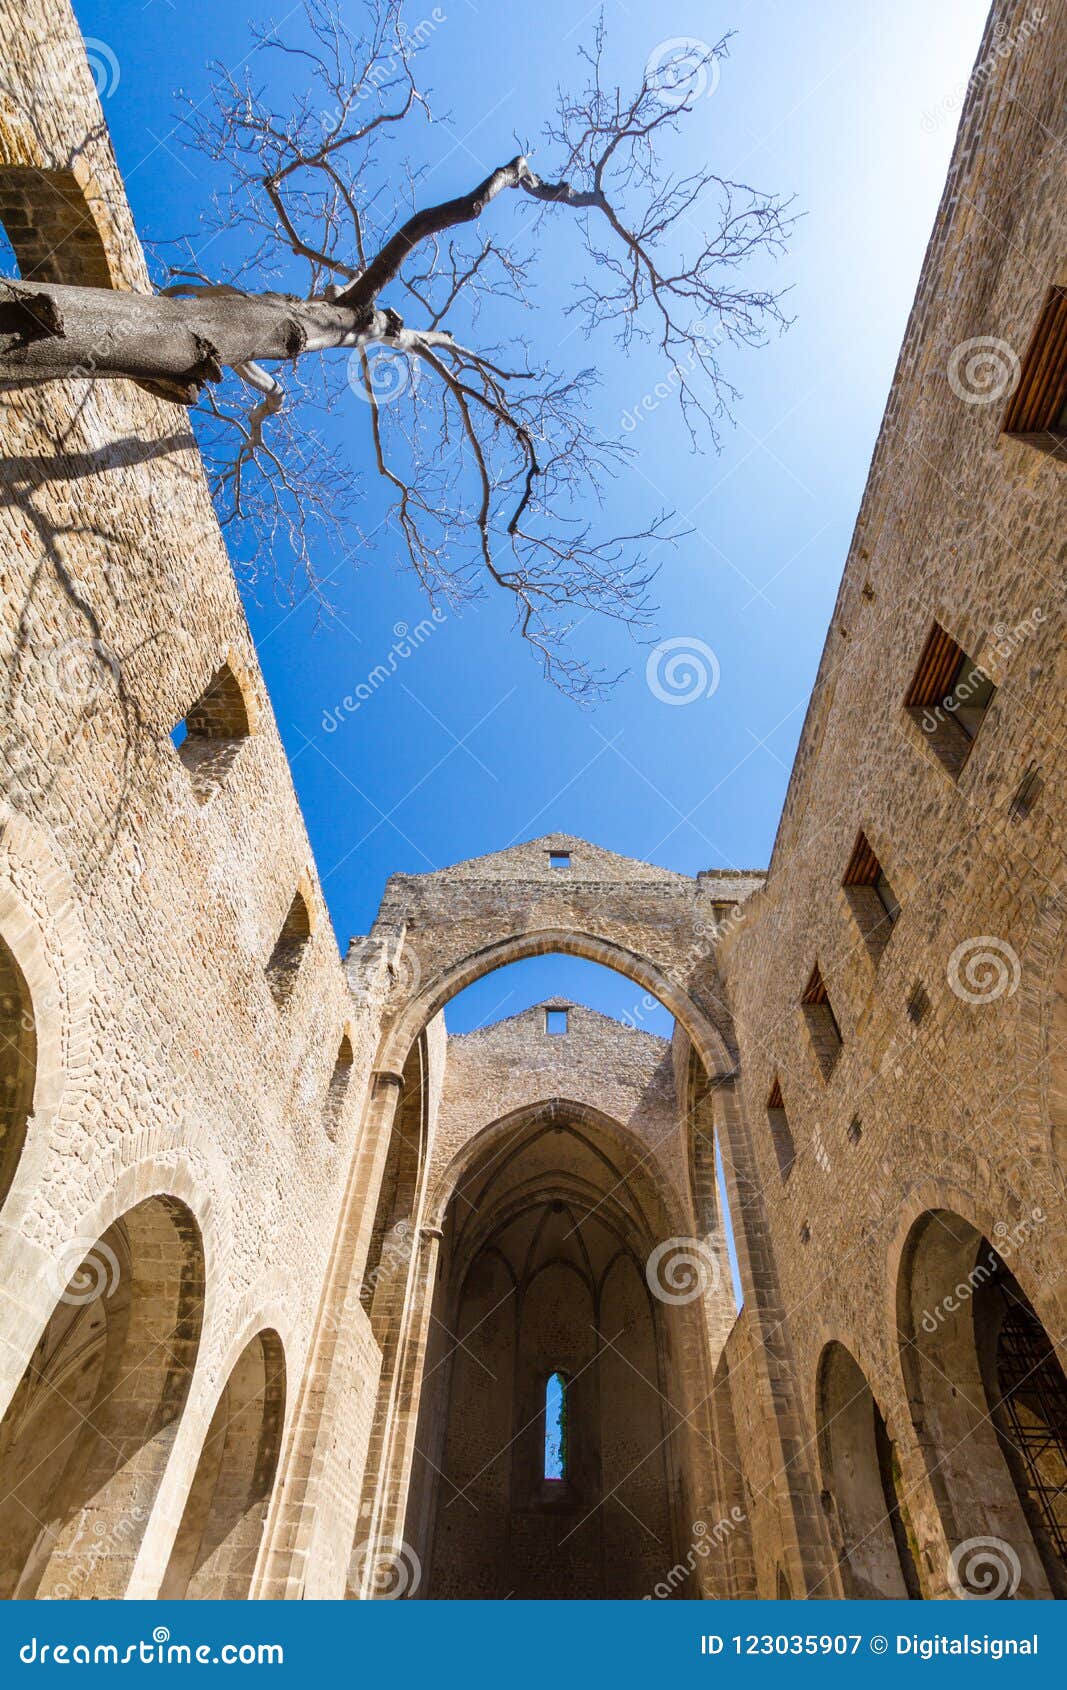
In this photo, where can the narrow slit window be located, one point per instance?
(340, 1080)
(555, 1021)
(822, 1024)
(781, 1132)
(288, 952)
(556, 1428)
(871, 897)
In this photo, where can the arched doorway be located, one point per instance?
(18, 1064)
(379, 1553)
(214, 1553)
(862, 1484)
(85, 1440)
(989, 1400)
(546, 1242)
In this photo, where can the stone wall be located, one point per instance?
(144, 912)
(256, 1151)
(943, 1094)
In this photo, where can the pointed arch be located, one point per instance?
(432, 997)
(214, 1553)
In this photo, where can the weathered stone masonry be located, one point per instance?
(285, 1268)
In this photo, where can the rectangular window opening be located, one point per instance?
(559, 859)
(948, 699)
(823, 1030)
(555, 1021)
(1037, 409)
(781, 1132)
(50, 228)
(871, 897)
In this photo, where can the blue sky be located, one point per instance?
(852, 108)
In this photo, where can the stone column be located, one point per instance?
(384, 1507)
(309, 1473)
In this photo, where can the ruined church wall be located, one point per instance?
(146, 917)
(945, 1091)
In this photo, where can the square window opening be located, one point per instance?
(948, 699)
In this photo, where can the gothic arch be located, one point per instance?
(955, 1279)
(549, 1218)
(547, 1114)
(862, 1486)
(214, 1552)
(432, 997)
(89, 1431)
(40, 925)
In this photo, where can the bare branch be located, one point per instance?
(495, 469)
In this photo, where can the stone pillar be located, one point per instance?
(384, 1506)
(805, 1549)
(311, 1460)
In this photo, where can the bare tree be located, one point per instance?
(354, 279)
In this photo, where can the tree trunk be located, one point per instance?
(48, 332)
